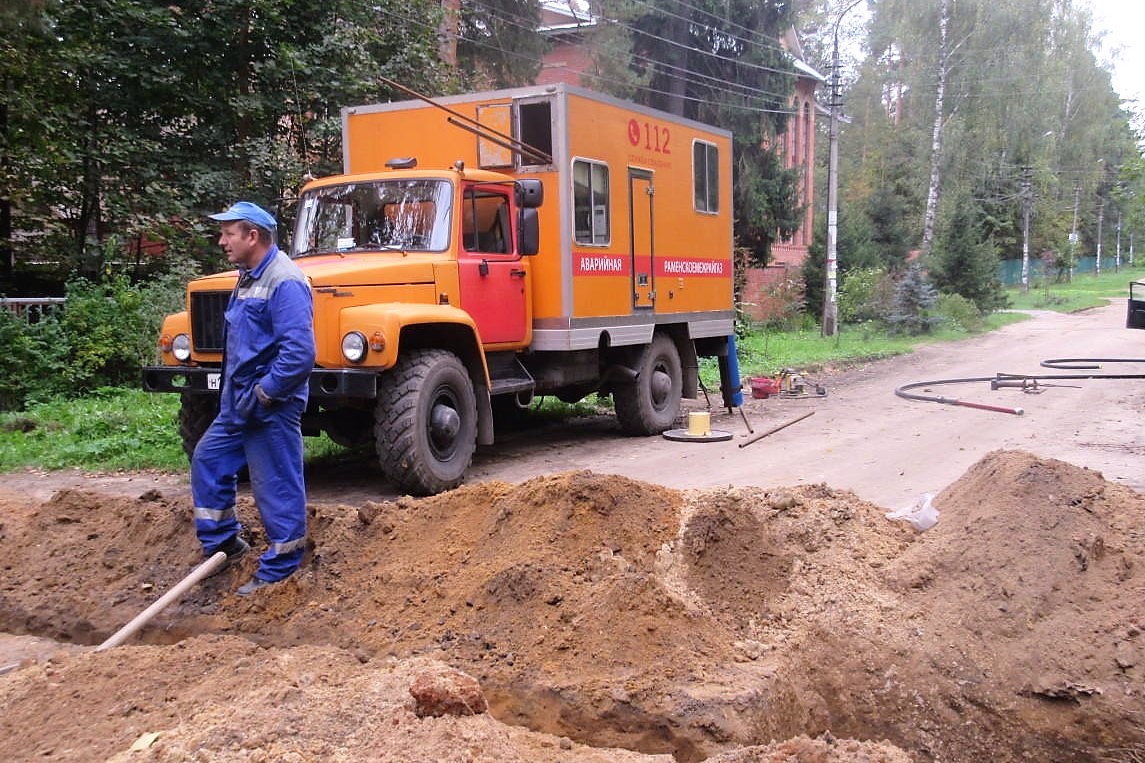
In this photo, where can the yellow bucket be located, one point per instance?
(699, 424)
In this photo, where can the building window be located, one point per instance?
(590, 202)
(706, 176)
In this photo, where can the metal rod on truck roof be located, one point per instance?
(516, 144)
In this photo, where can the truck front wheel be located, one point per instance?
(196, 412)
(425, 423)
(650, 403)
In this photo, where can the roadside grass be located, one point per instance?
(118, 429)
(1083, 291)
(111, 429)
(766, 353)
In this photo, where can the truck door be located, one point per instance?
(640, 195)
(491, 274)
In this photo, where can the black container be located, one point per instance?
(1135, 318)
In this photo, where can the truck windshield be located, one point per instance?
(382, 215)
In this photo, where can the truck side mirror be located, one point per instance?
(528, 232)
(530, 193)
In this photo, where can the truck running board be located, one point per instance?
(509, 378)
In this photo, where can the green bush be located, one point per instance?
(959, 313)
(784, 303)
(101, 337)
(35, 350)
(107, 332)
(865, 294)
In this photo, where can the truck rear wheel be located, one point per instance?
(650, 403)
(425, 424)
(196, 412)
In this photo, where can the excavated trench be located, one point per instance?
(621, 614)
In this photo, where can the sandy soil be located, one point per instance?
(593, 598)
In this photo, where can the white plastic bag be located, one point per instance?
(922, 515)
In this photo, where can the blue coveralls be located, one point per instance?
(270, 342)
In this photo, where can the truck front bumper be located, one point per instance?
(325, 383)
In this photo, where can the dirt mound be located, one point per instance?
(225, 699)
(618, 614)
(1016, 633)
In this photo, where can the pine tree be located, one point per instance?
(913, 301)
(964, 261)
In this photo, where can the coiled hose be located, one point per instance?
(1000, 379)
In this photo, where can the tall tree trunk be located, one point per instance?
(7, 258)
(87, 223)
(245, 125)
(936, 132)
(677, 56)
(447, 32)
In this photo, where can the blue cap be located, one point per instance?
(249, 211)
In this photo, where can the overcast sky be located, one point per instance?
(1124, 23)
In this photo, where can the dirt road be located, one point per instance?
(862, 437)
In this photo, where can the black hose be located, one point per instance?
(1059, 363)
(901, 392)
(1062, 363)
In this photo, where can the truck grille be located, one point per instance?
(208, 310)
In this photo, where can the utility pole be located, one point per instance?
(1027, 202)
(1073, 230)
(1100, 215)
(1117, 260)
(830, 323)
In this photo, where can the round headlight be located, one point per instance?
(354, 346)
(181, 347)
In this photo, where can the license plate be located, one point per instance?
(213, 381)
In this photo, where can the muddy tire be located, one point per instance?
(425, 423)
(650, 403)
(196, 413)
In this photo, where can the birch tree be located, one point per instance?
(941, 69)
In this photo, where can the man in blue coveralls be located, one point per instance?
(268, 356)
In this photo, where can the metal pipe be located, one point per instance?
(761, 435)
(197, 574)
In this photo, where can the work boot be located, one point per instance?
(252, 585)
(235, 549)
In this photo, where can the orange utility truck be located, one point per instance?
(483, 249)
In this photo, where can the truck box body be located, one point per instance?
(641, 249)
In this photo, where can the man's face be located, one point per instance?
(239, 243)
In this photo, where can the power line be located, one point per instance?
(524, 25)
(644, 88)
(764, 41)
